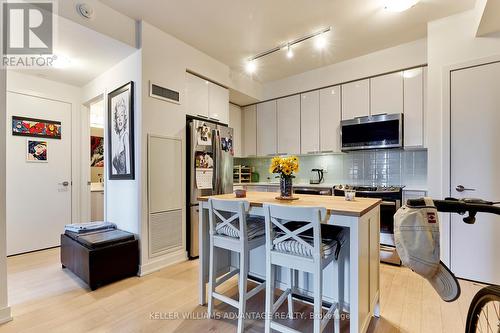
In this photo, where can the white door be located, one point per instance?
(289, 125)
(475, 164)
(38, 202)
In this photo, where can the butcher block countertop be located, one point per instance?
(334, 204)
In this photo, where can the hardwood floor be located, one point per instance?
(46, 298)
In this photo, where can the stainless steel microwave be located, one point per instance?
(372, 132)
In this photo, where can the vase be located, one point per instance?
(286, 187)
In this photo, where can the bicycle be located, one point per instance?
(487, 300)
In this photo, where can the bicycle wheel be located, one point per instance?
(484, 311)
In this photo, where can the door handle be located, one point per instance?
(461, 188)
(65, 183)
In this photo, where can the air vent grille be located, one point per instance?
(165, 231)
(163, 93)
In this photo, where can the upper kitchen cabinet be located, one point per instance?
(249, 130)
(206, 99)
(235, 124)
(289, 125)
(414, 101)
(218, 103)
(329, 115)
(197, 96)
(309, 122)
(386, 94)
(356, 99)
(266, 128)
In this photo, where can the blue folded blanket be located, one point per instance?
(81, 228)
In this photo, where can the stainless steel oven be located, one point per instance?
(372, 132)
(391, 201)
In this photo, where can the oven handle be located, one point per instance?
(388, 203)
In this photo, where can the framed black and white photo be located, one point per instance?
(121, 132)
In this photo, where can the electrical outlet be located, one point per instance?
(325, 169)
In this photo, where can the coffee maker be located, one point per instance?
(316, 176)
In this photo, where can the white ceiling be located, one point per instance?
(89, 52)
(233, 30)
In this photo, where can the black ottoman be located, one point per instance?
(102, 257)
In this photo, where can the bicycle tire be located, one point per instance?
(484, 296)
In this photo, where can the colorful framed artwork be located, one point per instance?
(36, 151)
(33, 127)
(121, 132)
(96, 151)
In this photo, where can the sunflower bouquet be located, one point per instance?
(284, 166)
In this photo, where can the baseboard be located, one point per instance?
(5, 315)
(156, 264)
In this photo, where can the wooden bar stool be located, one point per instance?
(299, 246)
(231, 230)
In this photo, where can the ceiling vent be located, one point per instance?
(164, 94)
(85, 11)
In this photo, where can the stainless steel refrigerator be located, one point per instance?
(209, 169)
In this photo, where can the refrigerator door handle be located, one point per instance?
(216, 153)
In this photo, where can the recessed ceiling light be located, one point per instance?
(399, 5)
(289, 52)
(251, 66)
(320, 42)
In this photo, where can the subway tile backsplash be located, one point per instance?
(376, 167)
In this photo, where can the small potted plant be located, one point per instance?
(285, 167)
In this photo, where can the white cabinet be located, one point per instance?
(218, 103)
(266, 128)
(329, 116)
(356, 99)
(309, 122)
(386, 94)
(249, 130)
(197, 96)
(414, 108)
(289, 125)
(206, 99)
(235, 124)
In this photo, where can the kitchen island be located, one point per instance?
(360, 217)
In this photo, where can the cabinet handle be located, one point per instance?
(202, 116)
(313, 152)
(327, 151)
(213, 118)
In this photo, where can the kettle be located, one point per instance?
(316, 176)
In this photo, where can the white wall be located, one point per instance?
(40, 87)
(387, 60)
(121, 196)
(451, 44)
(5, 314)
(165, 60)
